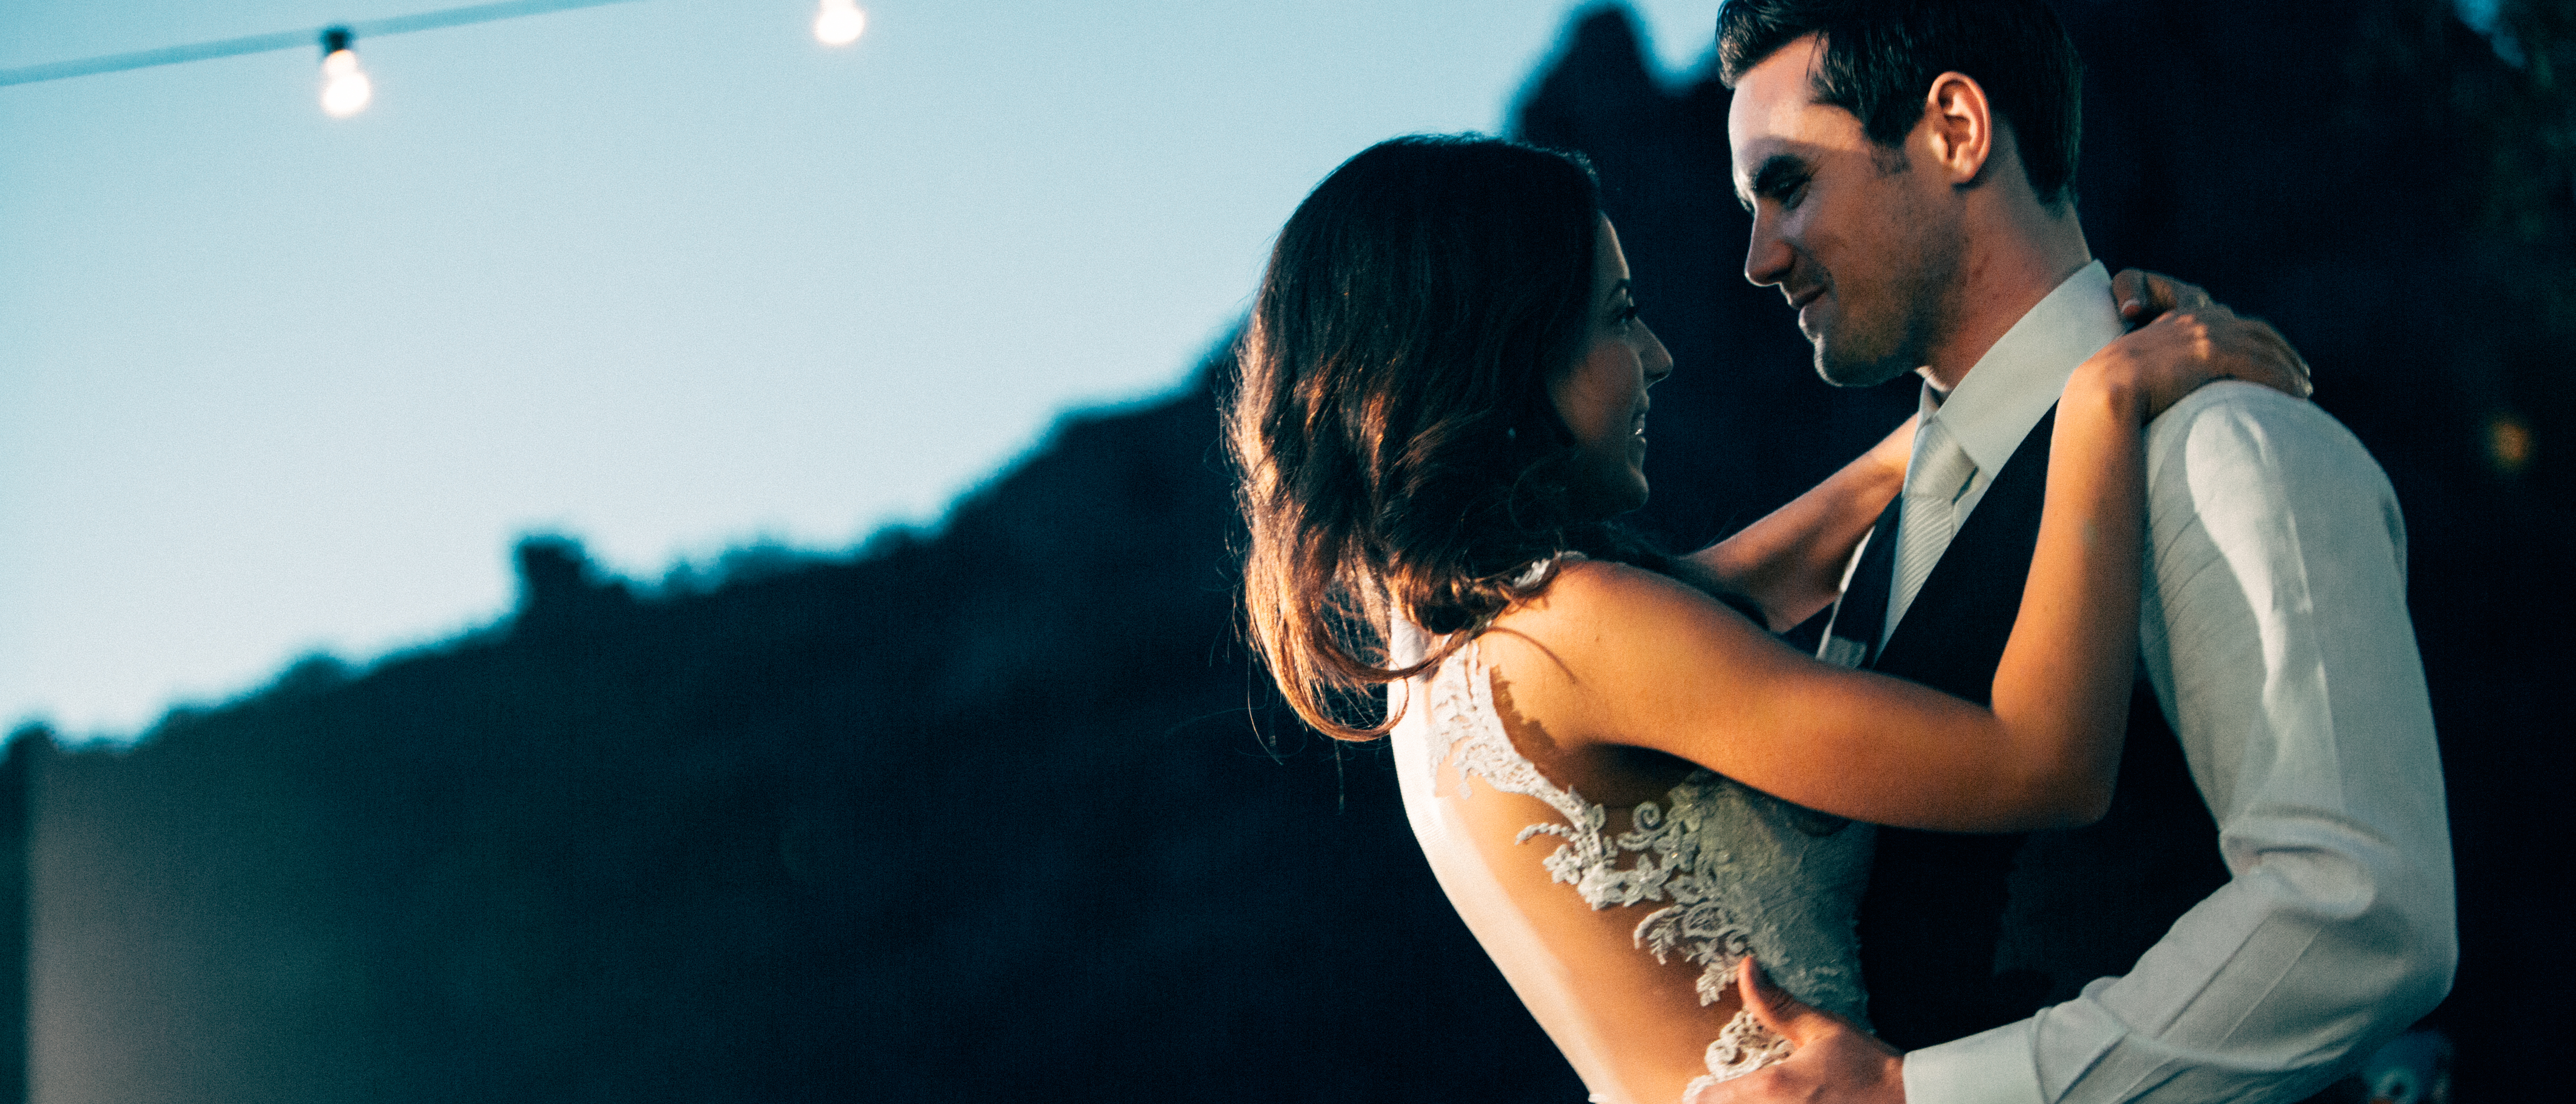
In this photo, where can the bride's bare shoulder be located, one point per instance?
(1601, 632)
(1591, 597)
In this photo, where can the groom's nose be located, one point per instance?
(1767, 258)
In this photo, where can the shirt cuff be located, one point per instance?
(1992, 1067)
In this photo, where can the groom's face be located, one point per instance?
(1865, 248)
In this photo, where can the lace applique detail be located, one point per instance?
(1742, 1047)
(1675, 855)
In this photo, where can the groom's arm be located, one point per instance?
(2276, 633)
(2274, 627)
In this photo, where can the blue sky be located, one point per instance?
(666, 276)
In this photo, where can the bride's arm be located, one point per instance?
(1614, 655)
(1791, 562)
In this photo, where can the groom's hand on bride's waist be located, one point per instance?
(1835, 1062)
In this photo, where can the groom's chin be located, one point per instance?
(1851, 372)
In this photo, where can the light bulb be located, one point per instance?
(839, 22)
(345, 87)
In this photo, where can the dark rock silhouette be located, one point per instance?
(1003, 809)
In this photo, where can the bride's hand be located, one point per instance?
(2142, 295)
(2157, 364)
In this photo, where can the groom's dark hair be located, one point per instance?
(1880, 57)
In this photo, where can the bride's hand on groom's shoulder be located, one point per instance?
(2186, 340)
(1835, 1062)
(2232, 345)
(2144, 296)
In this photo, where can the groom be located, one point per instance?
(2270, 895)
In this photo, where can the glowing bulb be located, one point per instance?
(345, 87)
(839, 22)
(2509, 444)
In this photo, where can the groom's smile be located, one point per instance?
(1799, 301)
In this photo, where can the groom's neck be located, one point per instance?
(2013, 254)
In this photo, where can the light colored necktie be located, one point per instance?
(1938, 474)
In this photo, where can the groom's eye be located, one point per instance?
(1780, 180)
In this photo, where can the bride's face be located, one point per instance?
(1602, 395)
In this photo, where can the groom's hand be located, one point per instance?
(1835, 1063)
(2144, 296)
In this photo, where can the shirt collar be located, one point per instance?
(2013, 385)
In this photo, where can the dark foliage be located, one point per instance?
(986, 813)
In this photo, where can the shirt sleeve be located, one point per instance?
(2274, 629)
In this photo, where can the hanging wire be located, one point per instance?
(293, 40)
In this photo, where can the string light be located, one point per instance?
(345, 87)
(839, 22)
(289, 40)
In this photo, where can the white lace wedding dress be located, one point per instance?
(1734, 869)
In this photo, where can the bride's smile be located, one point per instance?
(1602, 394)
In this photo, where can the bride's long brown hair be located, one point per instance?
(1396, 449)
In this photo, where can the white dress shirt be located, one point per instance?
(2011, 388)
(2273, 626)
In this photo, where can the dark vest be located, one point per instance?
(1960, 933)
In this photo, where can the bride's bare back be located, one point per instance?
(1617, 887)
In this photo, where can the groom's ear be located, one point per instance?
(1958, 129)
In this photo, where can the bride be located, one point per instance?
(1627, 786)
